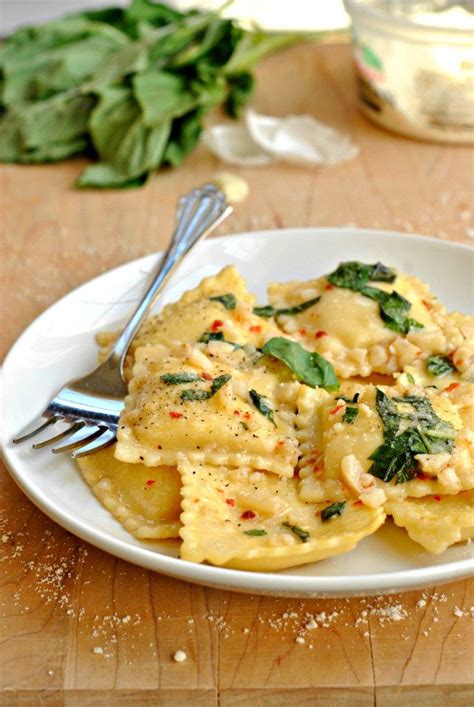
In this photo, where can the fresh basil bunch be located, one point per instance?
(130, 86)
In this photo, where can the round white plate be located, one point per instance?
(59, 345)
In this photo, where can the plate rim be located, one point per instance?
(238, 580)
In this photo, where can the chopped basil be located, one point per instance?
(190, 394)
(256, 532)
(335, 509)
(266, 311)
(410, 379)
(350, 415)
(353, 274)
(216, 336)
(270, 311)
(262, 405)
(308, 367)
(411, 427)
(302, 534)
(354, 399)
(439, 366)
(227, 300)
(393, 307)
(217, 383)
(178, 378)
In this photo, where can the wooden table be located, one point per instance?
(62, 599)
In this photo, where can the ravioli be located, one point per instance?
(222, 445)
(252, 520)
(147, 502)
(198, 312)
(161, 421)
(435, 522)
(346, 327)
(337, 465)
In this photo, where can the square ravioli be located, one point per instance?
(365, 325)
(147, 502)
(252, 520)
(220, 306)
(211, 402)
(435, 522)
(379, 442)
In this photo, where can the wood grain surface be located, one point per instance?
(81, 627)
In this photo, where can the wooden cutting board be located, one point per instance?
(81, 627)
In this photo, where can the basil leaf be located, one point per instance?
(335, 509)
(240, 90)
(154, 70)
(353, 275)
(269, 311)
(227, 300)
(216, 336)
(162, 96)
(308, 367)
(191, 395)
(262, 406)
(410, 429)
(302, 534)
(217, 383)
(266, 311)
(440, 366)
(178, 378)
(350, 415)
(354, 399)
(393, 307)
(256, 532)
(121, 137)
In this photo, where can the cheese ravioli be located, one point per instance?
(252, 520)
(165, 418)
(347, 328)
(337, 465)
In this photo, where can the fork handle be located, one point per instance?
(198, 213)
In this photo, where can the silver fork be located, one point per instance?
(92, 404)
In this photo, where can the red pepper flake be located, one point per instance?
(317, 469)
(319, 334)
(428, 305)
(256, 328)
(336, 409)
(329, 286)
(150, 482)
(296, 473)
(419, 353)
(437, 498)
(236, 412)
(280, 442)
(248, 515)
(311, 461)
(358, 503)
(230, 501)
(216, 325)
(247, 416)
(422, 476)
(302, 332)
(451, 387)
(175, 415)
(459, 363)
(206, 376)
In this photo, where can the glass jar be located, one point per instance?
(415, 66)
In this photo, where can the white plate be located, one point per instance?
(60, 345)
